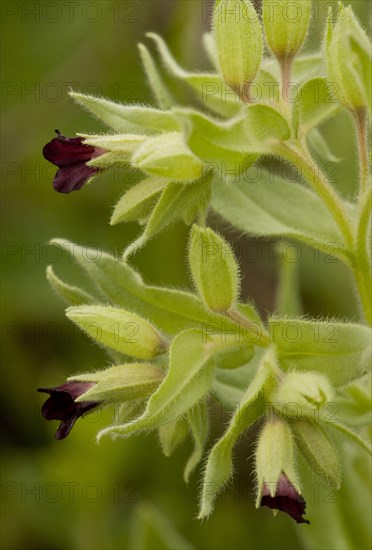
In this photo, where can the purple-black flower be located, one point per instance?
(71, 156)
(286, 498)
(61, 405)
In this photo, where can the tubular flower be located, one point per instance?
(71, 156)
(62, 405)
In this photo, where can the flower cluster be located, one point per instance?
(172, 349)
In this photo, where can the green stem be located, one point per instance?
(361, 119)
(362, 264)
(359, 265)
(318, 182)
(260, 335)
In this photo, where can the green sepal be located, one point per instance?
(318, 451)
(162, 95)
(188, 379)
(172, 435)
(198, 420)
(168, 156)
(223, 146)
(139, 201)
(175, 202)
(219, 467)
(73, 295)
(209, 88)
(128, 382)
(128, 119)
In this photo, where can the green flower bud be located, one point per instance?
(120, 383)
(214, 269)
(238, 37)
(118, 329)
(286, 23)
(300, 392)
(278, 482)
(348, 60)
(318, 451)
(168, 156)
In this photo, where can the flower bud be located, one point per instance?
(300, 392)
(286, 23)
(118, 329)
(85, 392)
(278, 483)
(238, 37)
(168, 156)
(214, 269)
(348, 60)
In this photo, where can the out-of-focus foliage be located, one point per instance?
(75, 494)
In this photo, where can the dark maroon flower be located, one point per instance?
(71, 156)
(286, 499)
(61, 405)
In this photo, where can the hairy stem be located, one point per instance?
(362, 132)
(260, 336)
(319, 183)
(362, 264)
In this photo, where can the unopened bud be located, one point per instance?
(238, 37)
(214, 269)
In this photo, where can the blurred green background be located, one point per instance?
(74, 494)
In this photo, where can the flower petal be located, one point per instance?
(72, 178)
(63, 151)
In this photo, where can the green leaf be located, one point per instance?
(175, 201)
(169, 309)
(219, 467)
(340, 351)
(171, 435)
(162, 95)
(189, 377)
(209, 88)
(198, 420)
(314, 105)
(118, 329)
(273, 207)
(71, 294)
(318, 451)
(139, 201)
(128, 119)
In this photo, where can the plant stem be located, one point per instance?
(319, 183)
(363, 272)
(286, 70)
(361, 119)
(260, 335)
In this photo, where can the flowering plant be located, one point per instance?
(173, 350)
